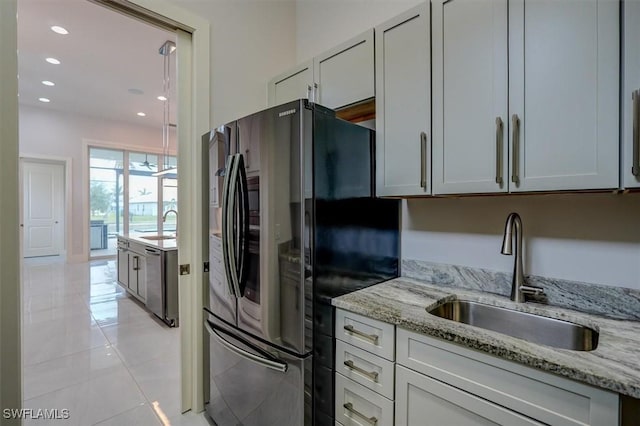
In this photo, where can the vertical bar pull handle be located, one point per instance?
(499, 137)
(423, 160)
(315, 93)
(309, 93)
(515, 124)
(635, 169)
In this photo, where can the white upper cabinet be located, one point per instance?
(630, 97)
(345, 74)
(293, 84)
(539, 113)
(403, 104)
(564, 94)
(339, 77)
(470, 83)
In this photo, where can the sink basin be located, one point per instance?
(158, 237)
(530, 327)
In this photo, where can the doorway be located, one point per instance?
(43, 208)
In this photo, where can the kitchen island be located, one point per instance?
(148, 270)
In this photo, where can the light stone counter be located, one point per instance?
(613, 365)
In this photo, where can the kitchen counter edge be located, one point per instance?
(614, 365)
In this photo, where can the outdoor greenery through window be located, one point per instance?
(125, 197)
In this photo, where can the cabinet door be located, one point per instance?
(631, 92)
(403, 104)
(134, 265)
(564, 90)
(291, 85)
(345, 74)
(423, 401)
(123, 267)
(141, 291)
(470, 153)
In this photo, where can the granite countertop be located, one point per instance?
(613, 365)
(167, 245)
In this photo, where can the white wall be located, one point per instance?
(593, 238)
(251, 41)
(44, 131)
(322, 24)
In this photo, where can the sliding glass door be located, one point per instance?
(126, 198)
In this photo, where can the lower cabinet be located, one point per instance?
(423, 401)
(438, 383)
(136, 281)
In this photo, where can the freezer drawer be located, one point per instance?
(254, 384)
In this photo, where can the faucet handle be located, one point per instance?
(529, 289)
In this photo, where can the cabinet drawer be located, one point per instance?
(359, 406)
(545, 397)
(363, 367)
(420, 402)
(371, 335)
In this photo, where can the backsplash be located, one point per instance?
(613, 302)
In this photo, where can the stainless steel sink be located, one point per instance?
(530, 327)
(158, 237)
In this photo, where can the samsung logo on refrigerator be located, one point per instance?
(288, 112)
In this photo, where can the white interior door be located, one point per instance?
(43, 209)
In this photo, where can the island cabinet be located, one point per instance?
(403, 104)
(526, 95)
(630, 96)
(439, 383)
(339, 77)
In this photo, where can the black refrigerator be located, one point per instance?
(292, 223)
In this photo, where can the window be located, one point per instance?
(128, 199)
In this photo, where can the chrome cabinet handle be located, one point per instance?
(370, 420)
(499, 137)
(373, 375)
(309, 89)
(372, 337)
(423, 160)
(274, 365)
(515, 124)
(136, 263)
(246, 152)
(315, 93)
(635, 168)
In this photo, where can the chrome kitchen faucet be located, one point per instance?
(518, 287)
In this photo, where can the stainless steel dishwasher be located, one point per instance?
(162, 284)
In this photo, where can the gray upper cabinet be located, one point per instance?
(345, 74)
(564, 94)
(525, 97)
(338, 77)
(630, 97)
(293, 84)
(403, 104)
(470, 98)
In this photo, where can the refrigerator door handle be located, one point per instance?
(243, 227)
(231, 227)
(273, 364)
(226, 225)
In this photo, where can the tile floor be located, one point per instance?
(91, 348)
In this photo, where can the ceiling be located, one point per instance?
(104, 55)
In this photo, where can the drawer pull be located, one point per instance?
(372, 337)
(370, 420)
(373, 375)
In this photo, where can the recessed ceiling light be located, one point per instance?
(142, 114)
(53, 61)
(48, 83)
(59, 30)
(162, 98)
(45, 100)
